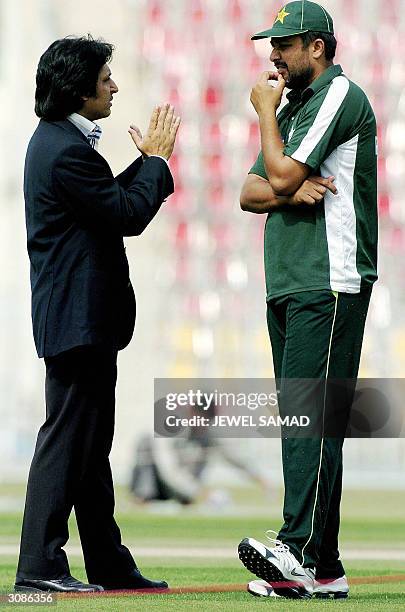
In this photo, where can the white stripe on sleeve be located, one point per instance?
(326, 114)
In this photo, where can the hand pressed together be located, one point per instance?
(161, 134)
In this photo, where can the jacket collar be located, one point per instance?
(68, 126)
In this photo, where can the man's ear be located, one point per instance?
(318, 47)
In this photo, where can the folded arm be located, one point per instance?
(316, 134)
(258, 196)
(286, 174)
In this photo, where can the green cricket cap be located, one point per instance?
(299, 17)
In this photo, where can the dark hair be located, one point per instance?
(328, 39)
(67, 71)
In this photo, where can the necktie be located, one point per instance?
(94, 136)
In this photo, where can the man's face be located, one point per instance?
(99, 106)
(292, 61)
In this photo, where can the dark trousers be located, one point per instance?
(315, 336)
(71, 469)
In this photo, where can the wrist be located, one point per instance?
(281, 201)
(268, 112)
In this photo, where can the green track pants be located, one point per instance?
(314, 335)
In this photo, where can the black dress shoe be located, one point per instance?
(134, 581)
(68, 584)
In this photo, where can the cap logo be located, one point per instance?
(281, 16)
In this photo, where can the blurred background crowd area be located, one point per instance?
(198, 269)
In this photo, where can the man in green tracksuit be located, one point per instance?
(316, 179)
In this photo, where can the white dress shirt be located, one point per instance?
(84, 125)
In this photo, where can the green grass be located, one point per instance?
(145, 528)
(179, 573)
(378, 524)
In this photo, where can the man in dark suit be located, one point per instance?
(83, 310)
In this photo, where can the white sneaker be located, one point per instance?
(336, 588)
(261, 588)
(277, 566)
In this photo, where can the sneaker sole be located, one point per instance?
(337, 595)
(264, 569)
(262, 590)
(252, 592)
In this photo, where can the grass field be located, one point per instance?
(368, 525)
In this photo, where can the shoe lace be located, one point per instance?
(280, 546)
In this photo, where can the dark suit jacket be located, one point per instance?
(77, 214)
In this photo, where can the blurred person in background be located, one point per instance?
(321, 262)
(83, 310)
(173, 467)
